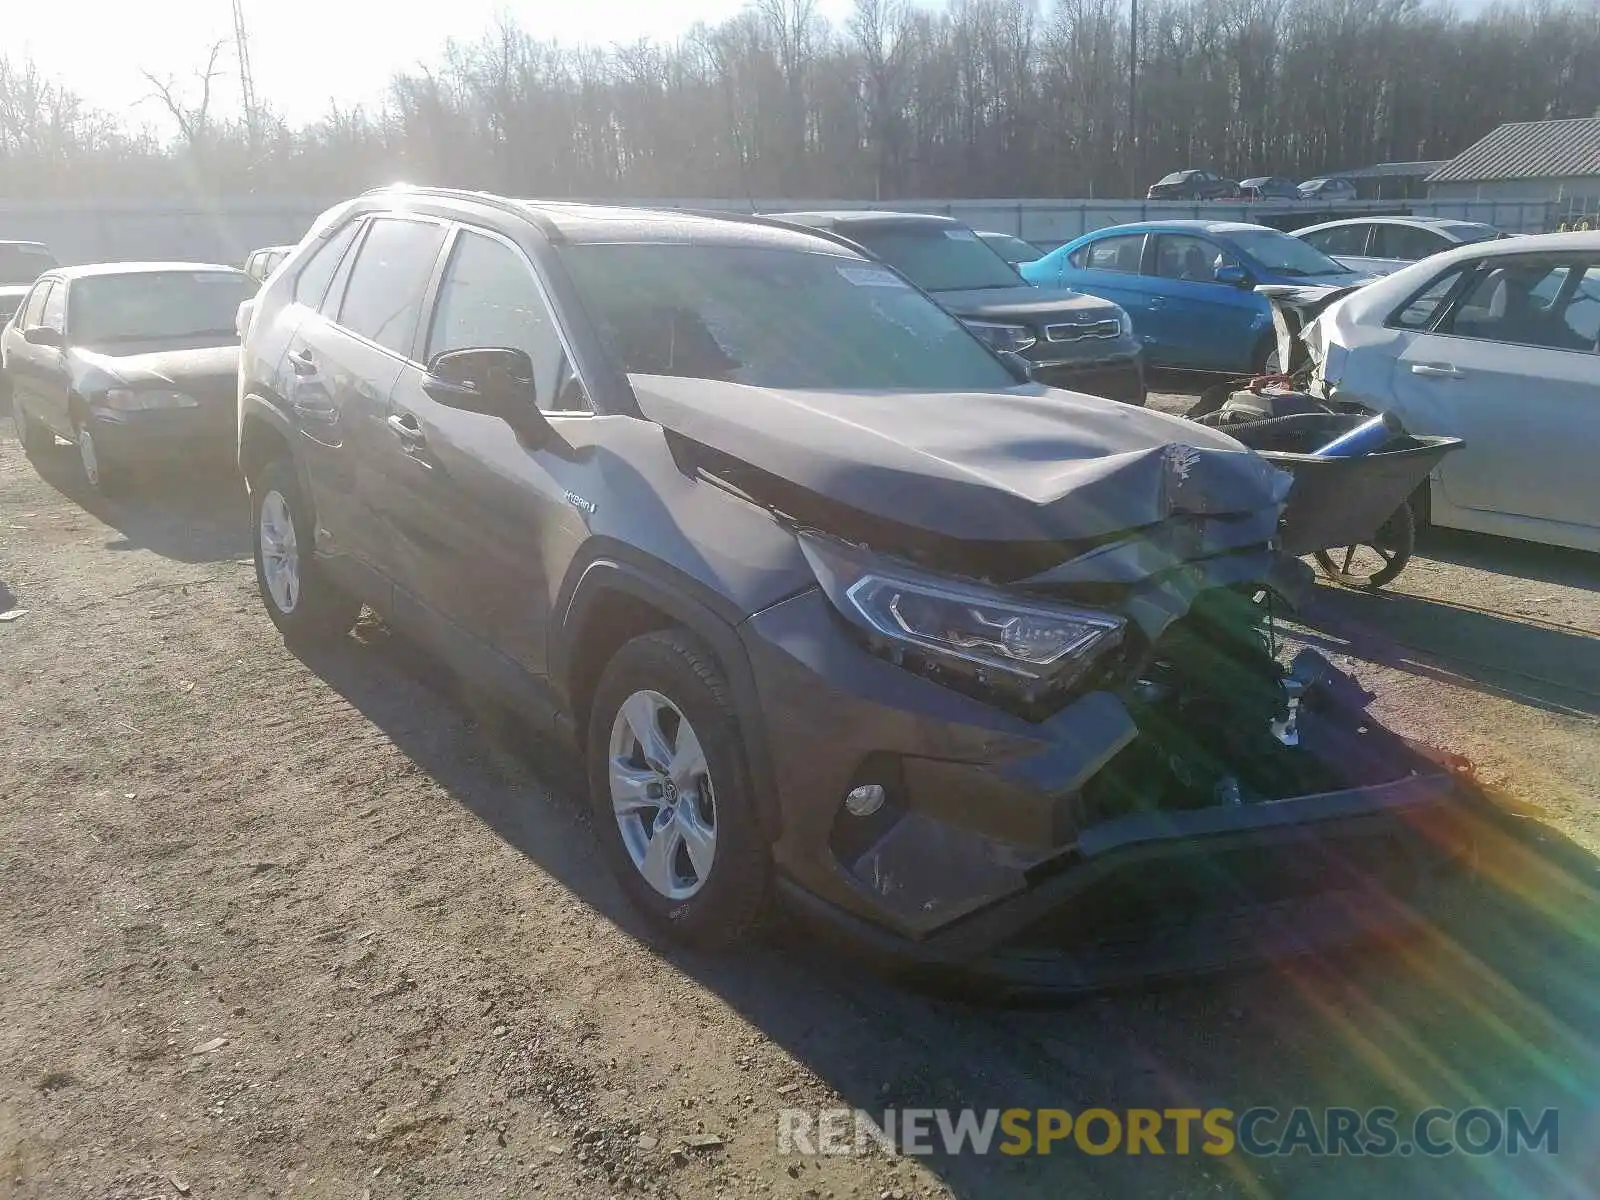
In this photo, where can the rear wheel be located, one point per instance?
(303, 603)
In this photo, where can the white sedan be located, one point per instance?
(1498, 344)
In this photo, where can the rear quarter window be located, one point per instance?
(1426, 304)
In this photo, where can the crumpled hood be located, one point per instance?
(1025, 303)
(207, 372)
(1026, 465)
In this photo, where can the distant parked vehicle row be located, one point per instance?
(1187, 286)
(1208, 185)
(1382, 245)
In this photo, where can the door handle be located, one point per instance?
(405, 427)
(303, 362)
(1158, 302)
(1436, 370)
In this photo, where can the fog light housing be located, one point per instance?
(865, 800)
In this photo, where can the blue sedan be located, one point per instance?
(1186, 285)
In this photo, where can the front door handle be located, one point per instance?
(405, 427)
(1436, 370)
(1157, 302)
(303, 362)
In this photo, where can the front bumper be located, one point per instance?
(164, 435)
(981, 864)
(1114, 376)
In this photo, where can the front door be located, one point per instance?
(475, 513)
(1194, 320)
(1513, 370)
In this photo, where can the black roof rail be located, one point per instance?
(506, 204)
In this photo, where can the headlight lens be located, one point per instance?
(142, 399)
(960, 622)
(1015, 338)
(1125, 321)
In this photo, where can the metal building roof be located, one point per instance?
(1528, 150)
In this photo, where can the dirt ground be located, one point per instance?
(282, 927)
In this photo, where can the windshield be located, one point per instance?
(939, 258)
(775, 318)
(1013, 249)
(23, 264)
(1284, 255)
(153, 306)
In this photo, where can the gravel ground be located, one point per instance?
(323, 927)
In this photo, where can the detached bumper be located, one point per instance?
(980, 862)
(165, 435)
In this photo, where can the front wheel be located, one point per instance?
(101, 471)
(37, 438)
(673, 805)
(1375, 563)
(302, 602)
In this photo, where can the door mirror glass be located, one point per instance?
(1232, 275)
(42, 335)
(496, 381)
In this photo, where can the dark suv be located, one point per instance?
(836, 602)
(1070, 340)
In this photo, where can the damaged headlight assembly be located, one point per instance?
(1001, 336)
(991, 636)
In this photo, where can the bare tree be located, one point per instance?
(193, 118)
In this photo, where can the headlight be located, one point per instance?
(956, 623)
(141, 399)
(1015, 338)
(1125, 321)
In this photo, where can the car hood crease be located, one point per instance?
(1029, 464)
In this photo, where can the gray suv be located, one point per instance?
(838, 606)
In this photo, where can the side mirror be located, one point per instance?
(43, 335)
(1232, 276)
(496, 381)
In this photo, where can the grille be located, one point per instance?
(1077, 331)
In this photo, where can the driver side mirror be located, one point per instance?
(43, 335)
(1232, 276)
(496, 381)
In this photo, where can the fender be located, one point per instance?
(707, 615)
(255, 407)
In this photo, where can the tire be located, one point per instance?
(1394, 542)
(104, 474)
(37, 438)
(303, 603)
(717, 897)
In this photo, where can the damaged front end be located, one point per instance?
(1034, 724)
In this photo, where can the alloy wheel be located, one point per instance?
(662, 795)
(280, 554)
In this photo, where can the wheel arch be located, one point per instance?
(610, 601)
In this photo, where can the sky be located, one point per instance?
(305, 53)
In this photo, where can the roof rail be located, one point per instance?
(776, 221)
(505, 204)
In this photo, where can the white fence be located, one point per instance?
(228, 229)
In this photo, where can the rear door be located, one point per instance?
(342, 361)
(1109, 268)
(1513, 369)
(50, 381)
(1194, 321)
(1408, 243)
(473, 511)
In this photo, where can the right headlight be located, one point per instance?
(1015, 338)
(960, 624)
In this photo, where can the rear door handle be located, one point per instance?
(1436, 370)
(303, 362)
(405, 427)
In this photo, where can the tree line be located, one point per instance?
(981, 98)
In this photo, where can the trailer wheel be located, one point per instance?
(1373, 564)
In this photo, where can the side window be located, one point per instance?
(1191, 259)
(1346, 239)
(1530, 302)
(1120, 254)
(1405, 242)
(54, 315)
(383, 299)
(1420, 311)
(33, 307)
(311, 285)
(489, 297)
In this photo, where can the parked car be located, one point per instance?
(1192, 185)
(1014, 250)
(1070, 340)
(261, 263)
(1187, 285)
(1497, 343)
(839, 607)
(1382, 245)
(1269, 187)
(134, 362)
(1328, 187)
(20, 264)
